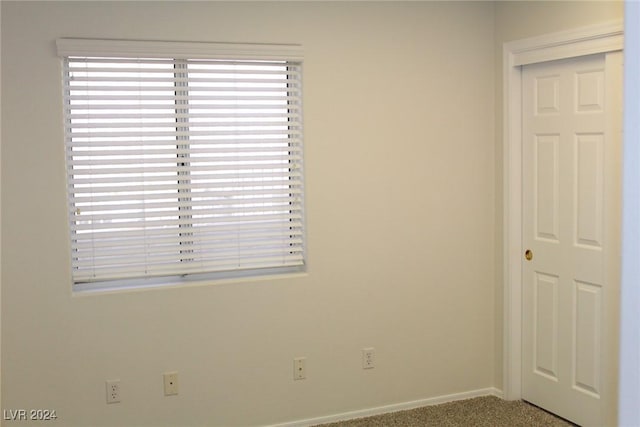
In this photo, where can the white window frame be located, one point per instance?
(91, 48)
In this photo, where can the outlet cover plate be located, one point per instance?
(368, 358)
(113, 391)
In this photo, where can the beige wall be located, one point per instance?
(403, 169)
(400, 208)
(515, 20)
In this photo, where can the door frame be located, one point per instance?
(601, 38)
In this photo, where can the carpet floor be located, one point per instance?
(488, 411)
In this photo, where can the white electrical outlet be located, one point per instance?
(113, 391)
(368, 358)
(170, 383)
(299, 368)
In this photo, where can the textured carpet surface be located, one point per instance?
(486, 411)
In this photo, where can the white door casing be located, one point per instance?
(569, 297)
(584, 41)
(629, 391)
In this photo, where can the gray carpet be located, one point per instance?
(486, 411)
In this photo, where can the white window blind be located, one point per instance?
(179, 166)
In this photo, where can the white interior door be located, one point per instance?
(571, 154)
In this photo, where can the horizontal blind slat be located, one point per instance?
(267, 150)
(108, 246)
(140, 192)
(239, 169)
(169, 252)
(244, 142)
(275, 159)
(97, 179)
(147, 236)
(224, 221)
(155, 67)
(178, 133)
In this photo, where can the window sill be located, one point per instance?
(172, 282)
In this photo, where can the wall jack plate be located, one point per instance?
(170, 383)
(299, 368)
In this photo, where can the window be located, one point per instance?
(183, 160)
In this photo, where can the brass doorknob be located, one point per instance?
(528, 254)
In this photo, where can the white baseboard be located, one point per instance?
(490, 391)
